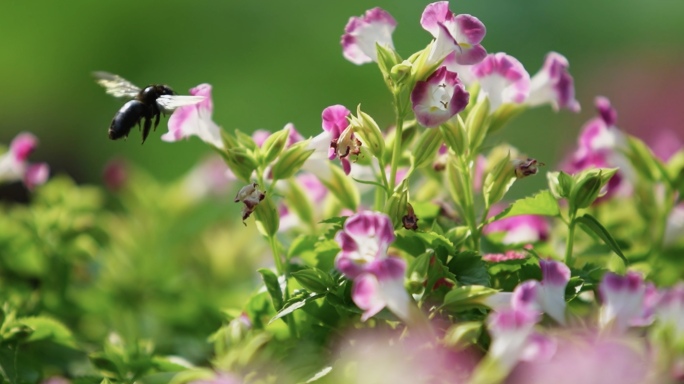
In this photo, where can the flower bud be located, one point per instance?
(291, 160)
(400, 72)
(560, 184)
(589, 185)
(410, 220)
(396, 205)
(426, 147)
(455, 135)
(241, 161)
(477, 124)
(274, 145)
(369, 132)
(387, 59)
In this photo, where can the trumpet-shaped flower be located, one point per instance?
(457, 34)
(195, 120)
(438, 98)
(503, 79)
(553, 85)
(14, 164)
(511, 330)
(378, 278)
(361, 34)
(623, 300)
(341, 139)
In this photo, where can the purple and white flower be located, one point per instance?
(438, 98)
(503, 79)
(511, 330)
(457, 34)
(623, 299)
(361, 34)
(14, 165)
(378, 278)
(553, 85)
(342, 141)
(195, 120)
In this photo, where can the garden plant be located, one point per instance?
(368, 253)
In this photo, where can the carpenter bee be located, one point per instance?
(146, 104)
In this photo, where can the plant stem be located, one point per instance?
(469, 201)
(569, 260)
(398, 131)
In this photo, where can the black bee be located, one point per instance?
(145, 104)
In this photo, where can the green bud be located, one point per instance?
(560, 184)
(291, 160)
(463, 335)
(387, 59)
(245, 141)
(299, 202)
(395, 207)
(369, 132)
(267, 218)
(274, 145)
(421, 69)
(241, 161)
(400, 72)
(456, 182)
(499, 180)
(454, 134)
(458, 235)
(588, 186)
(426, 147)
(477, 124)
(504, 114)
(341, 186)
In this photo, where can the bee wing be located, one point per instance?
(171, 102)
(116, 85)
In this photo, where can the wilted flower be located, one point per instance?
(438, 98)
(14, 165)
(250, 196)
(378, 278)
(503, 79)
(410, 220)
(553, 85)
(361, 34)
(195, 120)
(457, 34)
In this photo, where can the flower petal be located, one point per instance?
(361, 34)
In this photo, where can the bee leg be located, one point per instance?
(146, 129)
(156, 121)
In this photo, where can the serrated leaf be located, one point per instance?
(301, 244)
(469, 269)
(47, 328)
(314, 280)
(294, 304)
(589, 223)
(542, 203)
(273, 287)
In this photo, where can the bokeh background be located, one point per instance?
(280, 61)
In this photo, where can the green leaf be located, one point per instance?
(273, 287)
(469, 269)
(466, 297)
(47, 328)
(542, 203)
(295, 303)
(590, 225)
(314, 280)
(342, 188)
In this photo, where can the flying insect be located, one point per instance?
(145, 104)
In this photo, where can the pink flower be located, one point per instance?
(623, 300)
(195, 120)
(378, 278)
(553, 85)
(14, 165)
(503, 79)
(438, 98)
(361, 34)
(520, 229)
(342, 140)
(457, 34)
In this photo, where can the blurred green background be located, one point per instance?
(277, 62)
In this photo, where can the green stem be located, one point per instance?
(396, 152)
(569, 260)
(282, 270)
(469, 202)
